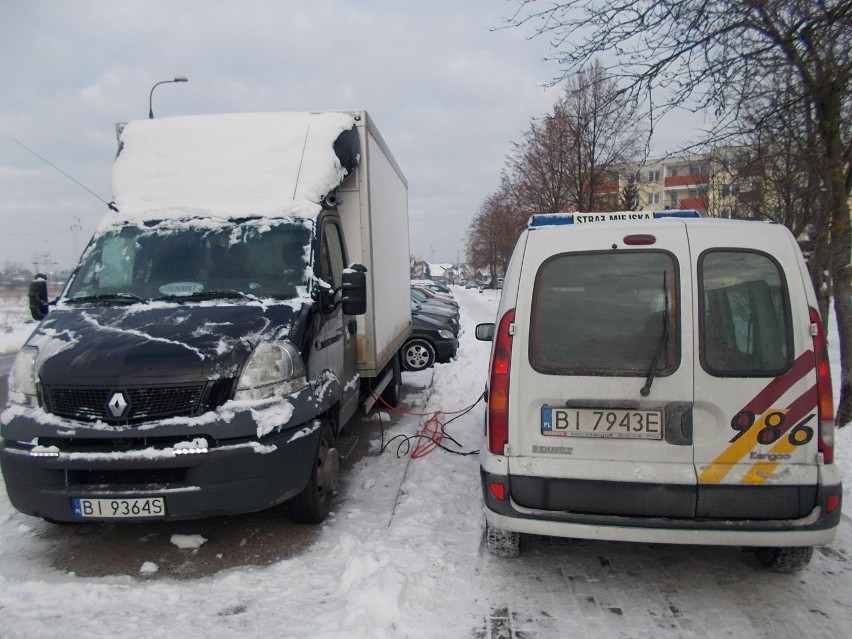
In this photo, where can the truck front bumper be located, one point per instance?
(196, 475)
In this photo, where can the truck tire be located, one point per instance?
(313, 504)
(502, 543)
(785, 559)
(417, 355)
(391, 395)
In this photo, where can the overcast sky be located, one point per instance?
(448, 92)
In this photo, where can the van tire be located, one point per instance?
(785, 559)
(312, 505)
(502, 543)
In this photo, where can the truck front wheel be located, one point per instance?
(313, 504)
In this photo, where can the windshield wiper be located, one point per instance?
(107, 298)
(664, 340)
(207, 295)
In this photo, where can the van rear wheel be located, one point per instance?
(785, 559)
(502, 543)
(312, 505)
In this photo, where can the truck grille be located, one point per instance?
(124, 405)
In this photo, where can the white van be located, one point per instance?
(661, 380)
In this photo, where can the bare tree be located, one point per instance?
(537, 173)
(717, 55)
(604, 132)
(568, 160)
(492, 234)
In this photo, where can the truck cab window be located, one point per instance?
(332, 257)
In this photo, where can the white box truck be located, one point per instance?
(248, 292)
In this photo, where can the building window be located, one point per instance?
(654, 198)
(653, 176)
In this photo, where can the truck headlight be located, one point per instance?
(22, 378)
(446, 334)
(273, 369)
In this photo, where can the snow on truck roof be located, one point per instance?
(244, 164)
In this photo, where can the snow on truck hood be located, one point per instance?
(276, 164)
(160, 343)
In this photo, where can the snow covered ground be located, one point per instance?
(402, 556)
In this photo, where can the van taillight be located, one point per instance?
(825, 401)
(498, 388)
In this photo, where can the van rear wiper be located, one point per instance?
(664, 340)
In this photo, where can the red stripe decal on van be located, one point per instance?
(769, 424)
(764, 399)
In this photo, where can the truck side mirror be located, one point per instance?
(38, 297)
(355, 290)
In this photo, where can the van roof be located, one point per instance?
(561, 219)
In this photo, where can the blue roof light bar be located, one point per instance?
(560, 219)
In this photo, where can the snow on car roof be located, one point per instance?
(279, 164)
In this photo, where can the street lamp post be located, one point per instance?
(177, 78)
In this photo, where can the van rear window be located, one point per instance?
(745, 314)
(606, 314)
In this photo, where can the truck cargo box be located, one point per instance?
(374, 212)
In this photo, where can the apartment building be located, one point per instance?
(715, 185)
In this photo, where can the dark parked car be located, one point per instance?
(432, 340)
(439, 312)
(422, 295)
(432, 285)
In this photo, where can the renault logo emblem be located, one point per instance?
(117, 404)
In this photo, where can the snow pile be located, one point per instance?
(225, 165)
(15, 323)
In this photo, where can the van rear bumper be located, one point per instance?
(230, 477)
(817, 527)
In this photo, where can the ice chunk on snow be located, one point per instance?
(188, 541)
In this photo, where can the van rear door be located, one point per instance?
(603, 312)
(755, 416)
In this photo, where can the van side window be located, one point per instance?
(606, 313)
(744, 313)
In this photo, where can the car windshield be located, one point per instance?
(170, 260)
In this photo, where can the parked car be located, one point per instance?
(431, 302)
(660, 381)
(438, 311)
(432, 340)
(432, 285)
(432, 296)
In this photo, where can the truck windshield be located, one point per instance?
(168, 260)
